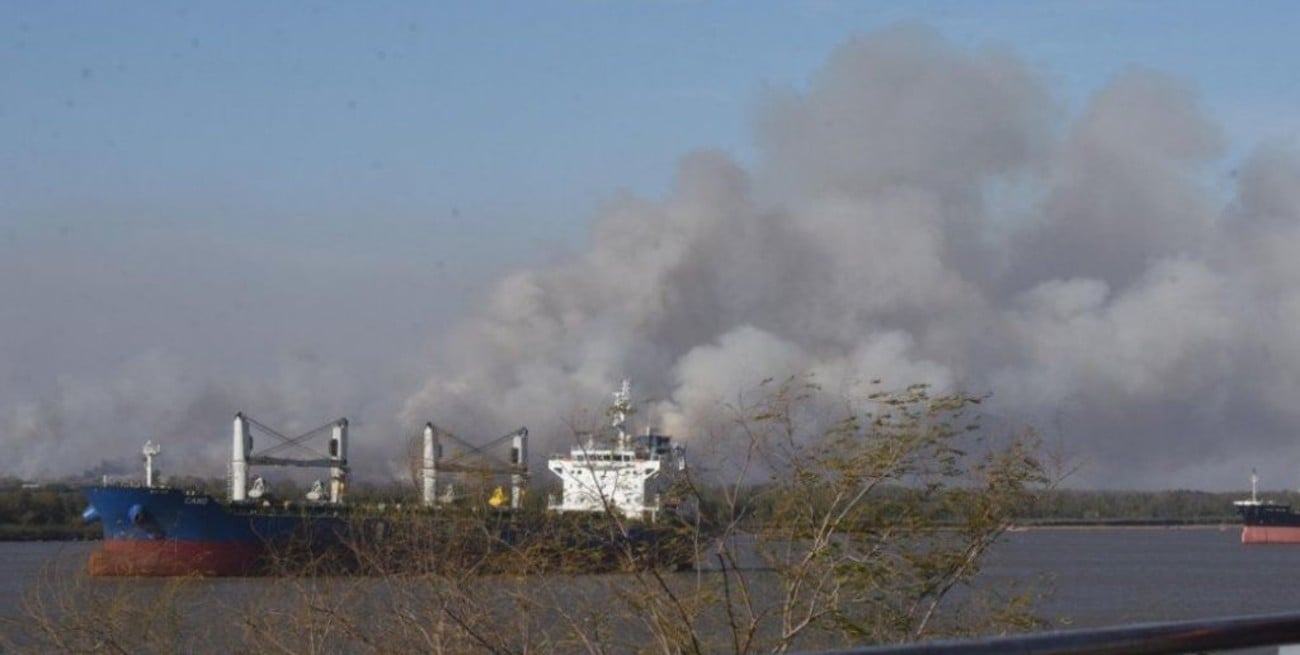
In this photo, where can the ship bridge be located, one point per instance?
(630, 476)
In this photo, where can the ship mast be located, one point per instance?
(149, 451)
(619, 412)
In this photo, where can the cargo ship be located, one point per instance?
(154, 530)
(1266, 522)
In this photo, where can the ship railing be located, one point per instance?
(555, 502)
(1201, 636)
(121, 481)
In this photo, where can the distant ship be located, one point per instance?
(1266, 522)
(155, 530)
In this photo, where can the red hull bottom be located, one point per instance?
(1270, 534)
(174, 558)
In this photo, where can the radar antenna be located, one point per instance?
(620, 410)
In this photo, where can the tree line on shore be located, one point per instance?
(53, 510)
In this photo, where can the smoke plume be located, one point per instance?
(921, 213)
(917, 213)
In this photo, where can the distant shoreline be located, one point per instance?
(49, 533)
(15, 533)
(1225, 523)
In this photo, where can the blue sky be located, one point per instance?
(236, 183)
(490, 131)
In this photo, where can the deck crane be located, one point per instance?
(242, 457)
(473, 459)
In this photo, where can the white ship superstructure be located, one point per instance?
(629, 475)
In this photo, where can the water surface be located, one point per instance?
(1084, 577)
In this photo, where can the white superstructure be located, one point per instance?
(630, 475)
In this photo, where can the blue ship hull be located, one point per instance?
(161, 531)
(172, 532)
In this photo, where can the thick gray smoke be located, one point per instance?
(926, 214)
(917, 213)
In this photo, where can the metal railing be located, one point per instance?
(1144, 639)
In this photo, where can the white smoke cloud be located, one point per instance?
(1125, 186)
(922, 213)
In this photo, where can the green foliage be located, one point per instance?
(1075, 506)
(45, 512)
(870, 519)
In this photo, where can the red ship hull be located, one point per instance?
(174, 558)
(1265, 522)
(1270, 534)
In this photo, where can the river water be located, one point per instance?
(1099, 577)
(1088, 577)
